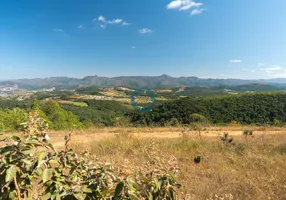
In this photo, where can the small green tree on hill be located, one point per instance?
(60, 118)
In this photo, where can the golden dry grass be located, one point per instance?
(252, 168)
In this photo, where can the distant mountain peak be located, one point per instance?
(90, 77)
(166, 76)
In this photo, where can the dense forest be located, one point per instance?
(256, 108)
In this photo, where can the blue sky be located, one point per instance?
(205, 38)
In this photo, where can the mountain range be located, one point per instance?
(162, 81)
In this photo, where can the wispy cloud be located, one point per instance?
(270, 70)
(197, 11)
(261, 64)
(273, 68)
(80, 26)
(58, 30)
(145, 31)
(125, 24)
(280, 75)
(133, 47)
(249, 70)
(104, 22)
(235, 61)
(103, 26)
(115, 21)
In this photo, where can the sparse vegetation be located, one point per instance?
(242, 170)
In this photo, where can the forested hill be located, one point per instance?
(254, 108)
(131, 81)
(258, 108)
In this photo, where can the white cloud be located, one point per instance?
(197, 11)
(273, 68)
(174, 5)
(115, 21)
(61, 31)
(103, 26)
(125, 24)
(80, 26)
(281, 75)
(260, 64)
(104, 22)
(235, 61)
(249, 70)
(145, 30)
(183, 4)
(58, 30)
(101, 18)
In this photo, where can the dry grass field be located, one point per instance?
(251, 168)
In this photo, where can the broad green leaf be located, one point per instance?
(53, 162)
(6, 150)
(118, 190)
(28, 162)
(11, 173)
(42, 156)
(27, 152)
(46, 196)
(16, 138)
(47, 175)
(133, 196)
(12, 195)
(85, 189)
(74, 178)
(79, 196)
(150, 196)
(52, 147)
(33, 141)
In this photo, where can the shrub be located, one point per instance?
(198, 118)
(173, 122)
(226, 139)
(31, 168)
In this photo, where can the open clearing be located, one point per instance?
(251, 168)
(89, 136)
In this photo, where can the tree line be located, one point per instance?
(256, 108)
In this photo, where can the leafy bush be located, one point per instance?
(10, 119)
(31, 168)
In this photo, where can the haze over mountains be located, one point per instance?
(133, 82)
